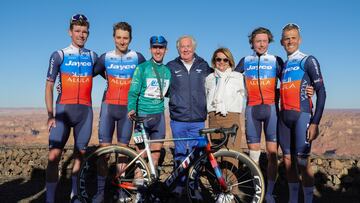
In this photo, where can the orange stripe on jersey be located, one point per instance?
(290, 92)
(117, 92)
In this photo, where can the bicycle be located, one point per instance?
(223, 176)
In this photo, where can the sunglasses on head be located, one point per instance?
(79, 17)
(291, 25)
(222, 59)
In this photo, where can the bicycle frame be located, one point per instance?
(203, 147)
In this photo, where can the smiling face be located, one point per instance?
(260, 43)
(186, 49)
(290, 40)
(79, 35)
(158, 53)
(221, 62)
(122, 40)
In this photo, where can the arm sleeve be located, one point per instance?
(240, 66)
(141, 58)
(279, 66)
(135, 89)
(99, 67)
(54, 65)
(312, 68)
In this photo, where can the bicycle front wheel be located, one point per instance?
(125, 173)
(243, 178)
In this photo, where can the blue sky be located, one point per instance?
(32, 30)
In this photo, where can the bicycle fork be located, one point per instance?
(217, 171)
(148, 150)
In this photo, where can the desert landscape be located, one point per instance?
(23, 157)
(339, 130)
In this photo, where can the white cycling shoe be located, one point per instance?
(224, 198)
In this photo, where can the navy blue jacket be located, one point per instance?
(187, 90)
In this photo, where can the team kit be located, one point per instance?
(197, 93)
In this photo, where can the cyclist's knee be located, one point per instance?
(54, 156)
(272, 157)
(287, 161)
(302, 161)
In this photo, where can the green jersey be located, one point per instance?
(144, 95)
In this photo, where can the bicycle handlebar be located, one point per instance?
(139, 119)
(225, 131)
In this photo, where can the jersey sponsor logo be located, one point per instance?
(318, 80)
(315, 66)
(51, 65)
(264, 67)
(78, 63)
(288, 85)
(121, 67)
(79, 79)
(292, 68)
(262, 82)
(120, 81)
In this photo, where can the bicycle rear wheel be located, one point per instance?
(242, 176)
(121, 165)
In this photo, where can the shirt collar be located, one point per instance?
(293, 55)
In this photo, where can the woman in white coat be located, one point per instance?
(225, 94)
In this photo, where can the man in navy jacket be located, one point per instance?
(187, 97)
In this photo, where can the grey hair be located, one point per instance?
(183, 37)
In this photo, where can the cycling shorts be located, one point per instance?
(78, 116)
(112, 115)
(154, 125)
(257, 115)
(292, 126)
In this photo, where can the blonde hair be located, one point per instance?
(228, 55)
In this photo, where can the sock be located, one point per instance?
(73, 186)
(270, 187)
(50, 191)
(255, 155)
(293, 192)
(308, 194)
(100, 183)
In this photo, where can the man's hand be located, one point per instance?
(130, 114)
(51, 123)
(313, 132)
(309, 91)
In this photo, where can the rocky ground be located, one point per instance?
(23, 154)
(22, 173)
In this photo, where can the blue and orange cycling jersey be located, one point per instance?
(119, 70)
(300, 71)
(261, 73)
(74, 67)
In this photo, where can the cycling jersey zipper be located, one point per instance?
(120, 87)
(79, 73)
(259, 82)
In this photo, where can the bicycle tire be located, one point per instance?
(245, 181)
(87, 178)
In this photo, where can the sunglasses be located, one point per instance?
(79, 17)
(291, 25)
(222, 59)
(158, 47)
(158, 40)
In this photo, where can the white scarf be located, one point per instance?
(218, 101)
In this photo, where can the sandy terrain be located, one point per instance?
(339, 130)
